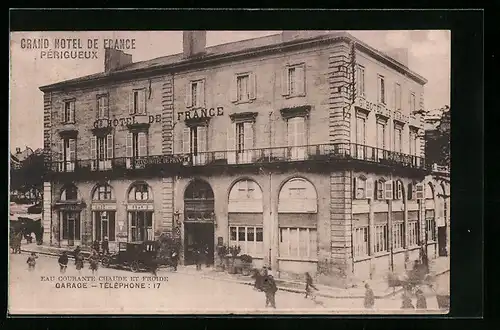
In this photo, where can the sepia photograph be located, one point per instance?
(229, 172)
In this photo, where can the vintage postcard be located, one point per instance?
(217, 172)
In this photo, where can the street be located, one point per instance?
(45, 290)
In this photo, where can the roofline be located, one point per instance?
(250, 52)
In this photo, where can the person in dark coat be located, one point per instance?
(421, 300)
(406, 301)
(96, 246)
(105, 246)
(31, 261)
(63, 262)
(197, 257)
(94, 261)
(206, 255)
(310, 287)
(369, 297)
(79, 261)
(269, 287)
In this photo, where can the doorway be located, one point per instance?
(198, 235)
(442, 241)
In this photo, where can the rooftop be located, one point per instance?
(228, 50)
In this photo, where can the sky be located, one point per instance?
(429, 55)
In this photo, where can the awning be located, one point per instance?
(33, 217)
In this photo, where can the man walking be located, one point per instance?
(270, 288)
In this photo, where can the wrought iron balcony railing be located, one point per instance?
(319, 152)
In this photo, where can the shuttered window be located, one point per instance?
(298, 243)
(294, 81)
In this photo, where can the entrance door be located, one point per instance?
(198, 235)
(442, 241)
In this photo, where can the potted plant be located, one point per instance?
(222, 251)
(233, 251)
(246, 264)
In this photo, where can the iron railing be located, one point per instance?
(319, 152)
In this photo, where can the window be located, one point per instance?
(137, 102)
(397, 139)
(104, 225)
(249, 238)
(413, 232)
(362, 188)
(136, 146)
(397, 97)
(141, 226)
(381, 135)
(398, 190)
(195, 95)
(411, 192)
(68, 115)
(381, 238)
(412, 103)
(361, 242)
(398, 233)
(384, 189)
(70, 225)
(246, 189)
(69, 193)
(360, 80)
(102, 107)
(431, 229)
(296, 135)
(381, 89)
(102, 151)
(139, 192)
(103, 192)
(294, 81)
(68, 155)
(429, 191)
(242, 83)
(360, 136)
(413, 142)
(194, 141)
(298, 242)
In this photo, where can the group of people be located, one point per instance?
(79, 260)
(201, 254)
(406, 300)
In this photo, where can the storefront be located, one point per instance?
(104, 214)
(140, 213)
(70, 214)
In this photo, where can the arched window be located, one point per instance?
(360, 187)
(198, 190)
(245, 190)
(103, 192)
(69, 193)
(429, 191)
(140, 191)
(380, 188)
(297, 196)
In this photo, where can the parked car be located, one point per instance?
(136, 256)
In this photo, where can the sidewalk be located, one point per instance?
(380, 288)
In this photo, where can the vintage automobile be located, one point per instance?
(136, 256)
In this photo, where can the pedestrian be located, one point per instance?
(105, 246)
(310, 287)
(257, 275)
(79, 261)
(269, 287)
(76, 252)
(32, 261)
(175, 259)
(63, 262)
(95, 246)
(94, 261)
(206, 253)
(421, 300)
(369, 297)
(406, 301)
(197, 258)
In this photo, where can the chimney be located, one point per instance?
(115, 59)
(194, 43)
(18, 151)
(400, 55)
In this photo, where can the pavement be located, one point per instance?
(439, 266)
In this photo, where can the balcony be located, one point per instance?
(355, 154)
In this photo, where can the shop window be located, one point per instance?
(248, 238)
(103, 192)
(398, 233)
(381, 238)
(298, 242)
(361, 241)
(69, 193)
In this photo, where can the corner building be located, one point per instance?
(303, 148)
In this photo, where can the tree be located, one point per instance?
(437, 141)
(29, 176)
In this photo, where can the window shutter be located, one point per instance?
(93, 148)
(234, 89)
(141, 107)
(301, 79)
(284, 82)
(143, 144)
(378, 90)
(369, 188)
(131, 104)
(355, 186)
(201, 88)
(189, 96)
(61, 150)
(72, 149)
(248, 133)
(301, 131)
(110, 146)
(410, 191)
(186, 140)
(60, 111)
(252, 86)
(106, 106)
(291, 132)
(129, 145)
(231, 138)
(388, 190)
(202, 138)
(72, 112)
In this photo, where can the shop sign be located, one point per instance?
(200, 113)
(103, 207)
(140, 207)
(164, 159)
(102, 123)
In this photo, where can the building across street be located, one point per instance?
(304, 148)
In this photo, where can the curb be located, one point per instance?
(319, 294)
